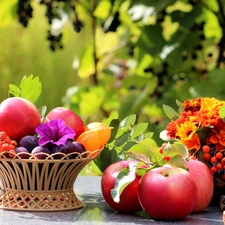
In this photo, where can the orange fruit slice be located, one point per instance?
(95, 136)
(104, 131)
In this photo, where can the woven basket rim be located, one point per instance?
(50, 157)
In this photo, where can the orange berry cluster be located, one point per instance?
(7, 145)
(215, 159)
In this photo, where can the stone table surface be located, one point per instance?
(97, 212)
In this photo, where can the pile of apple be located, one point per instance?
(164, 193)
(19, 118)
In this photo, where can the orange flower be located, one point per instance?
(198, 114)
(211, 104)
(217, 137)
(193, 143)
(192, 105)
(187, 134)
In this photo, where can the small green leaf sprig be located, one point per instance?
(30, 88)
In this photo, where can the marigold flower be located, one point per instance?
(199, 123)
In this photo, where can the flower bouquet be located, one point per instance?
(42, 155)
(200, 126)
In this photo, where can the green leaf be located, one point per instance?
(103, 9)
(30, 88)
(43, 111)
(124, 178)
(106, 158)
(122, 139)
(151, 39)
(128, 121)
(14, 91)
(176, 148)
(86, 62)
(148, 147)
(128, 146)
(115, 123)
(178, 161)
(170, 112)
(222, 112)
(189, 18)
(138, 129)
(139, 157)
(6, 12)
(91, 100)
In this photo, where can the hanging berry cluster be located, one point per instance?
(53, 8)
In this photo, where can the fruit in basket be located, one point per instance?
(7, 146)
(22, 152)
(69, 117)
(167, 193)
(18, 117)
(29, 142)
(41, 152)
(104, 131)
(95, 136)
(129, 202)
(203, 177)
(71, 148)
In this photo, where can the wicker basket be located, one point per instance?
(41, 185)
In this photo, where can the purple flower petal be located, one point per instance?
(55, 131)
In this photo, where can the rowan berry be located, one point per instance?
(214, 169)
(206, 156)
(219, 155)
(223, 177)
(214, 159)
(3, 135)
(206, 149)
(223, 160)
(219, 166)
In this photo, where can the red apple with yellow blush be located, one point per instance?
(69, 117)
(18, 117)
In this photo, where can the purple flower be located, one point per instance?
(55, 132)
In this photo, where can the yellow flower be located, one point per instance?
(210, 104)
(187, 134)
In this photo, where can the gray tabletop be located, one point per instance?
(96, 211)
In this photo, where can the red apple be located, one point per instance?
(203, 178)
(18, 117)
(128, 199)
(69, 117)
(167, 193)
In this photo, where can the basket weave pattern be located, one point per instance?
(40, 185)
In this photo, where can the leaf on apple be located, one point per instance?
(148, 147)
(140, 157)
(124, 178)
(176, 148)
(30, 88)
(178, 161)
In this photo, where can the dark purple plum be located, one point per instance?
(22, 152)
(29, 142)
(69, 148)
(41, 152)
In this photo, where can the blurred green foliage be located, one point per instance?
(128, 57)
